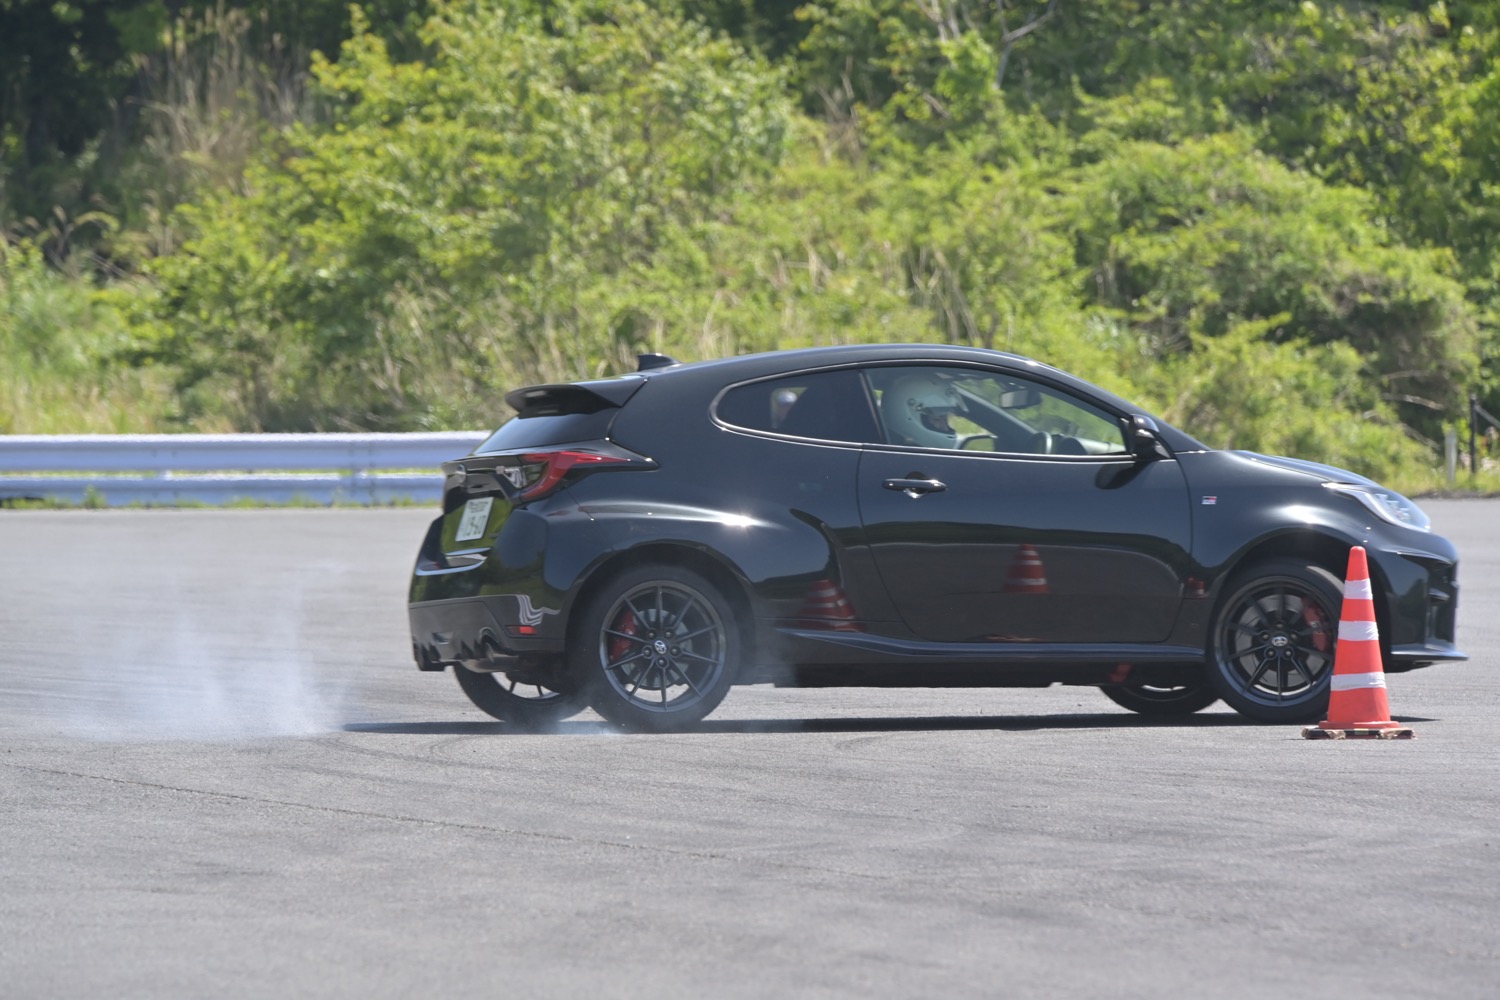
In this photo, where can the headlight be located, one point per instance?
(1384, 504)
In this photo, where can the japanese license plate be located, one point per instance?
(476, 518)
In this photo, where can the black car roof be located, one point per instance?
(796, 359)
(746, 367)
(750, 366)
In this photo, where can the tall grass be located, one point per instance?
(208, 99)
(122, 402)
(60, 343)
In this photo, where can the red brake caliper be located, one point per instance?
(618, 645)
(1313, 615)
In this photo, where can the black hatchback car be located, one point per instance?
(915, 515)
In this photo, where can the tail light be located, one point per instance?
(521, 477)
(544, 471)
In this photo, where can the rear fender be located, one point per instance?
(751, 554)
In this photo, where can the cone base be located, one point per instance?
(1391, 731)
(1381, 721)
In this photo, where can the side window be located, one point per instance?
(968, 409)
(829, 406)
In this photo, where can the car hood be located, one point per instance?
(1328, 473)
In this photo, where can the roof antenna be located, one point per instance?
(651, 362)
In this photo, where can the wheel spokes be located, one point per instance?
(1271, 639)
(633, 682)
(684, 678)
(541, 692)
(695, 634)
(1254, 679)
(1254, 629)
(516, 689)
(674, 656)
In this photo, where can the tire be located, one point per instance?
(1270, 654)
(525, 706)
(1163, 700)
(655, 649)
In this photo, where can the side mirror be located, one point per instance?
(1144, 439)
(1020, 399)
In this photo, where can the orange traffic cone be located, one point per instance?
(1026, 574)
(827, 606)
(1357, 707)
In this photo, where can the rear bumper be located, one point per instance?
(482, 633)
(453, 632)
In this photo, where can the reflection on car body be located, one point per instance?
(897, 515)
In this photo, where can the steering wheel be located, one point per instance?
(1064, 445)
(1043, 443)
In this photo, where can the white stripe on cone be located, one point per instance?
(1358, 631)
(1359, 589)
(1354, 682)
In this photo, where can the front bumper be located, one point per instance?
(1421, 593)
(1410, 657)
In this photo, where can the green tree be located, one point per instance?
(1198, 238)
(462, 209)
(1247, 389)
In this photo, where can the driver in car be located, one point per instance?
(916, 408)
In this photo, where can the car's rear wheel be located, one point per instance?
(524, 705)
(1274, 635)
(1162, 699)
(656, 648)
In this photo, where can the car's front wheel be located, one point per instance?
(523, 705)
(1274, 636)
(655, 649)
(1162, 699)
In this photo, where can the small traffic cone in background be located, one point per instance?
(1357, 707)
(1026, 574)
(828, 607)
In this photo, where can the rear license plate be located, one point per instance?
(476, 518)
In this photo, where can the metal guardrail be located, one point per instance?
(166, 469)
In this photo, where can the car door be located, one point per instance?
(1019, 515)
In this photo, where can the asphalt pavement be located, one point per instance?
(221, 775)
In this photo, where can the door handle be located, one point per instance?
(915, 487)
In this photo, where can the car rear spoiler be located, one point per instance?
(573, 397)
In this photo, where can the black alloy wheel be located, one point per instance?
(655, 649)
(1162, 699)
(523, 705)
(1274, 636)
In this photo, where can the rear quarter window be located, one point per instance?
(828, 406)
